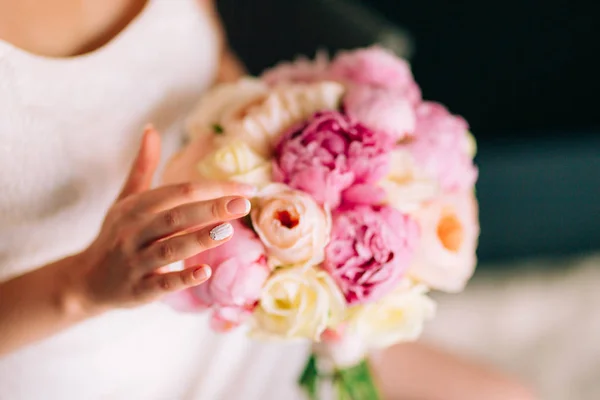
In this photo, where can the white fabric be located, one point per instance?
(68, 131)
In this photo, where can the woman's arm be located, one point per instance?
(417, 371)
(41, 303)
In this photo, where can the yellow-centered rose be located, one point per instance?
(298, 303)
(235, 161)
(291, 225)
(445, 258)
(397, 317)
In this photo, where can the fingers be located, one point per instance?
(192, 216)
(184, 246)
(144, 165)
(156, 285)
(171, 196)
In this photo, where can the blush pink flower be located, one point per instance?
(239, 271)
(328, 155)
(369, 251)
(376, 67)
(381, 110)
(445, 258)
(302, 70)
(442, 147)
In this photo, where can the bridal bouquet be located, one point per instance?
(365, 203)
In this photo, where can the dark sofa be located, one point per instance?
(523, 73)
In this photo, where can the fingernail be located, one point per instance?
(148, 127)
(202, 273)
(238, 206)
(221, 232)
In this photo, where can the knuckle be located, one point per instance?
(215, 209)
(172, 218)
(121, 240)
(166, 252)
(201, 241)
(186, 278)
(164, 283)
(187, 189)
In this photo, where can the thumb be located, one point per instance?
(145, 164)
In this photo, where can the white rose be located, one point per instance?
(291, 225)
(406, 187)
(397, 317)
(223, 104)
(235, 161)
(297, 303)
(446, 258)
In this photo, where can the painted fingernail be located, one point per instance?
(221, 232)
(202, 273)
(238, 206)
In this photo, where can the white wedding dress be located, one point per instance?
(69, 129)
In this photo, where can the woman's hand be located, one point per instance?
(146, 230)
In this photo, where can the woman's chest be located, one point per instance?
(69, 128)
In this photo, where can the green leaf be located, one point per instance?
(310, 377)
(218, 129)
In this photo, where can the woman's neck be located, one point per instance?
(64, 28)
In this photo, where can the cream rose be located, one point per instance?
(397, 317)
(445, 258)
(223, 104)
(264, 123)
(292, 226)
(406, 187)
(235, 161)
(297, 302)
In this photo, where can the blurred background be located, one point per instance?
(525, 74)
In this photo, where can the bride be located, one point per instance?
(86, 228)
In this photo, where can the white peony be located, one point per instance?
(225, 104)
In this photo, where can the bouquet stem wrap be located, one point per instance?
(323, 380)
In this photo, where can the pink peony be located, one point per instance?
(441, 147)
(370, 250)
(377, 67)
(239, 270)
(381, 110)
(330, 154)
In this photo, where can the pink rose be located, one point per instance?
(330, 154)
(301, 70)
(376, 67)
(446, 258)
(381, 110)
(239, 270)
(442, 147)
(369, 251)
